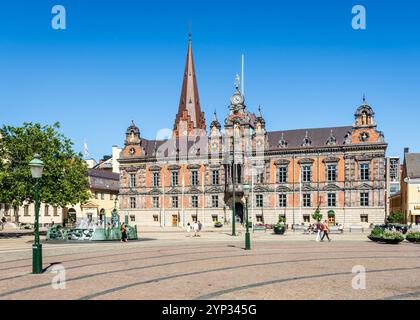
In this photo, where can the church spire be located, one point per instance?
(189, 114)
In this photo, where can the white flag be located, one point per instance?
(85, 148)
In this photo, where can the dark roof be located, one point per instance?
(103, 174)
(103, 180)
(412, 162)
(293, 138)
(317, 136)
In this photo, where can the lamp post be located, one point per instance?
(233, 183)
(245, 188)
(36, 166)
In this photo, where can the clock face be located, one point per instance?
(236, 99)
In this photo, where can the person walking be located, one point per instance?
(200, 226)
(325, 230)
(123, 232)
(189, 229)
(318, 231)
(196, 229)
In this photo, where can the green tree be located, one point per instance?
(396, 217)
(64, 180)
(317, 215)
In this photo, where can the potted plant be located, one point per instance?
(218, 224)
(279, 227)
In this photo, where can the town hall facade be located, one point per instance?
(339, 170)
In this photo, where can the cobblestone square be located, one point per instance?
(170, 265)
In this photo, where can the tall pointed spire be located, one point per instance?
(189, 114)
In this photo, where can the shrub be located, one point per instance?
(377, 232)
(391, 235)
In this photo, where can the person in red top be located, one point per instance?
(325, 230)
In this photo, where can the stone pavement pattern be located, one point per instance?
(165, 265)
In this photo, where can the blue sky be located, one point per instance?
(123, 60)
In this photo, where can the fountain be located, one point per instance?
(86, 230)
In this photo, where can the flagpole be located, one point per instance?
(243, 79)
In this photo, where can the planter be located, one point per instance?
(413, 240)
(383, 240)
(218, 225)
(280, 230)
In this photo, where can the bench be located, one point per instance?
(335, 229)
(299, 227)
(356, 227)
(257, 227)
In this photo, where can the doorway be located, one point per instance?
(239, 212)
(174, 220)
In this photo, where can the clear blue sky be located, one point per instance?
(123, 60)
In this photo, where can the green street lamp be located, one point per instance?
(36, 166)
(246, 187)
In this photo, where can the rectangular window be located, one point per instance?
(260, 219)
(155, 179)
(102, 196)
(132, 218)
(55, 211)
(175, 202)
(132, 202)
(194, 201)
(331, 172)
(282, 174)
(6, 210)
(259, 200)
(306, 218)
(194, 178)
(174, 178)
(332, 199)
(306, 173)
(155, 202)
(306, 200)
(260, 177)
(194, 217)
(215, 201)
(111, 196)
(364, 218)
(215, 177)
(364, 171)
(282, 200)
(364, 199)
(96, 195)
(46, 210)
(155, 218)
(26, 210)
(132, 180)
(215, 218)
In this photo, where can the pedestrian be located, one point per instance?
(200, 226)
(318, 231)
(189, 229)
(196, 229)
(123, 232)
(326, 230)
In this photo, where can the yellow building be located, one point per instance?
(103, 186)
(410, 187)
